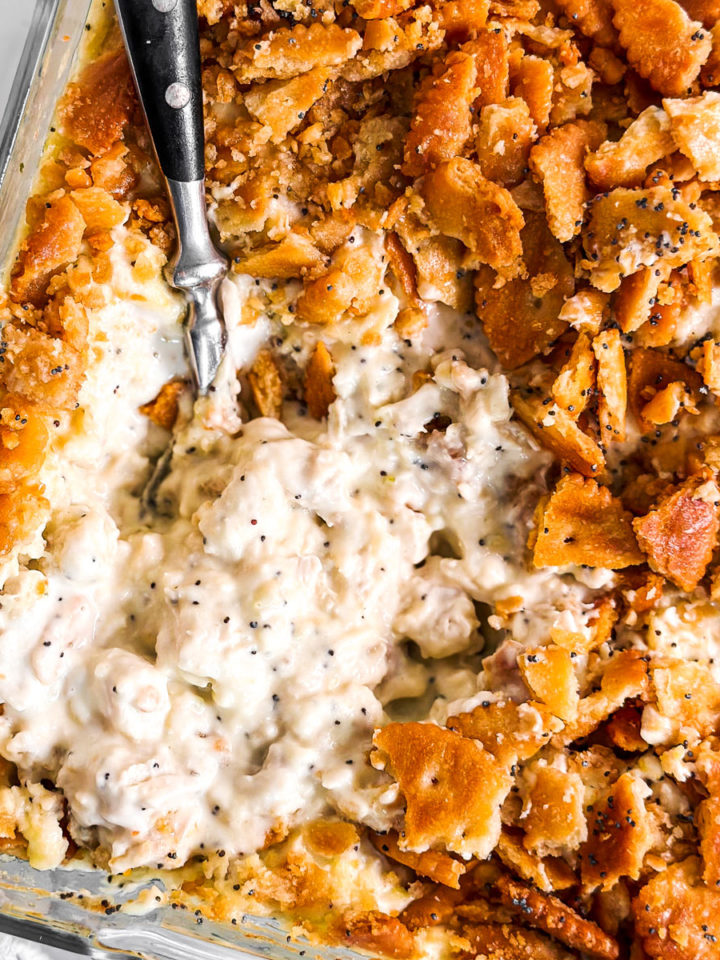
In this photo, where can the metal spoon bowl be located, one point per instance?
(162, 43)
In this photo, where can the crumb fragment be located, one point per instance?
(462, 815)
(662, 43)
(695, 127)
(612, 385)
(266, 384)
(558, 161)
(463, 204)
(679, 536)
(519, 319)
(319, 389)
(163, 410)
(623, 162)
(630, 229)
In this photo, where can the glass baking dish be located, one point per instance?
(30, 903)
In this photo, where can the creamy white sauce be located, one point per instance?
(200, 679)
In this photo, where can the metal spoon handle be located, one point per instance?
(162, 42)
(161, 37)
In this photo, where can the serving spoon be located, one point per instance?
(163, 47)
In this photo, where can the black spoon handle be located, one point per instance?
(161, 38)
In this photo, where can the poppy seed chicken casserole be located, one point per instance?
(418, 651)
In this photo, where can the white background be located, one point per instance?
(15, 16)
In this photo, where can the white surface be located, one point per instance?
(15, 16)
(14, 949)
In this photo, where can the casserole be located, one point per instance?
(417, 650)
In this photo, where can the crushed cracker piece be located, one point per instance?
(293, 256)
(46, 371)
(507, 730)
(619, 834)
(547, 873)
(431, 864)
(518, 324)
(550, 676)
(461, 19)
(556, 918)
(679, 536)
(583, 524)
(623, 162)
(661, 327)
(636, 296)
(696, 715)
(24, 439)
(709, 365)
(593, 18)
(612, 385)
(281, 105)
(555, 429)
(496, 941)
(572, 94)
(695, 126)
(23, 514)
(676, 915)
(558, 162)
(98, 208)
(97, 106)
(533, 80)
(650, 372)
(625, 677)
(553, 816)
(392, 44)
(700, 280)
(266, 384)
(710, 73)
(708, 819)
(52, 244)
(598, 630)
(289, 51)
(624, 729)
(667, 403)
(490, 51)
(706, 11)
(575, 383)
(462, 814)
(379, 9)
(585, 310)
(349, 287)
(112, 172)
(462, 203)
(442, 121)
(378, 932)
(628, 229)
(439, 271)
(642, 590)
(319, 389)
(163, 410)
(325, 837)
(662, 43)
(609, 67)
(504, 136)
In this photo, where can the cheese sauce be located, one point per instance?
(197, 679)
